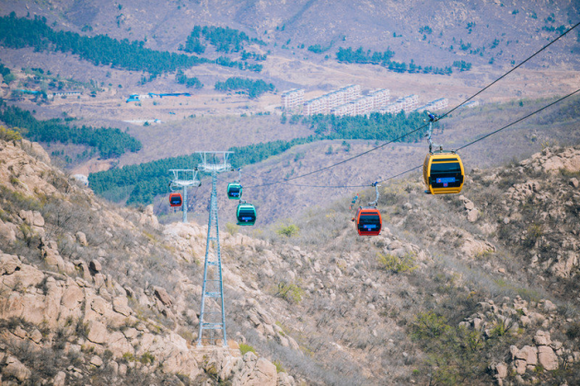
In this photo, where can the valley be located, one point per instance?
(102, 284)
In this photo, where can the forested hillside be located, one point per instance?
(110, 143)
(141, 183)
(18, 32)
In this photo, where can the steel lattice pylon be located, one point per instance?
(212, 295)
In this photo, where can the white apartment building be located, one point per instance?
(437, 104)
(292, 99)
(380, 98)
(393, 108)
(410, 102)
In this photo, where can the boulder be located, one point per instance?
(97, 332)
(520, 366)
(472, 215)
(72, 296)
(564, 265)
(9, 264)
(118, 344)
(549, 306)
(33, 308)
(95, 267)
(529, 354)
(265, 373)
(547, 358)
(37, 219)
(285, 380)
(96, 361)
(36, 336)
(163, 296)
(59, 379)
(82, 239)
(26, 216)
(25, 277)
(502, 370)
(542, 338)
(121, 306)
(83, 268)
(14, 368)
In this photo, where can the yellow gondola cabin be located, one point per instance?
(443, 172)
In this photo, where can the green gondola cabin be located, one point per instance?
(246, 214)
(234, 191)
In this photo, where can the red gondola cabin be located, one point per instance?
(175, 199)
(368, 221)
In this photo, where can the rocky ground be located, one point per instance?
(476, 288)
(67, 318)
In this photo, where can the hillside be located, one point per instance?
(109, 52)
(99, 294)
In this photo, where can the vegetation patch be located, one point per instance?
(288, 230)
(254, 88)
(395, 264)
(181, 78)
(223, 39)
(362, 56)
(245, 348)
(109, 142)
(18, 32)
(290, 292)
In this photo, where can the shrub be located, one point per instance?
(290, 292)
(147, 358)
(232, 228)
(9, 135)
(534, 233)
(245, 348)
(429, 325)
(128, 357)
(397, 264)
(573, 331)
(279, 367)
(288, 231)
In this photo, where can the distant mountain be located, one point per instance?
(430, 32)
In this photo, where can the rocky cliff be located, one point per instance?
(73, 305)
(476, 288)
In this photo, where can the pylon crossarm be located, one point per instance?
(214, 161)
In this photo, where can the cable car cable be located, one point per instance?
(459, 148)
(509, 72)
(518, 120)
(492, 133)
(423, 126)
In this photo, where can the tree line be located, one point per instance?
(181, 78)
(254, 88)
(7, 76)
(376, 126)
(101, 49)
(225, 40)
(145, 181)
(348, 55)
(109, 142)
